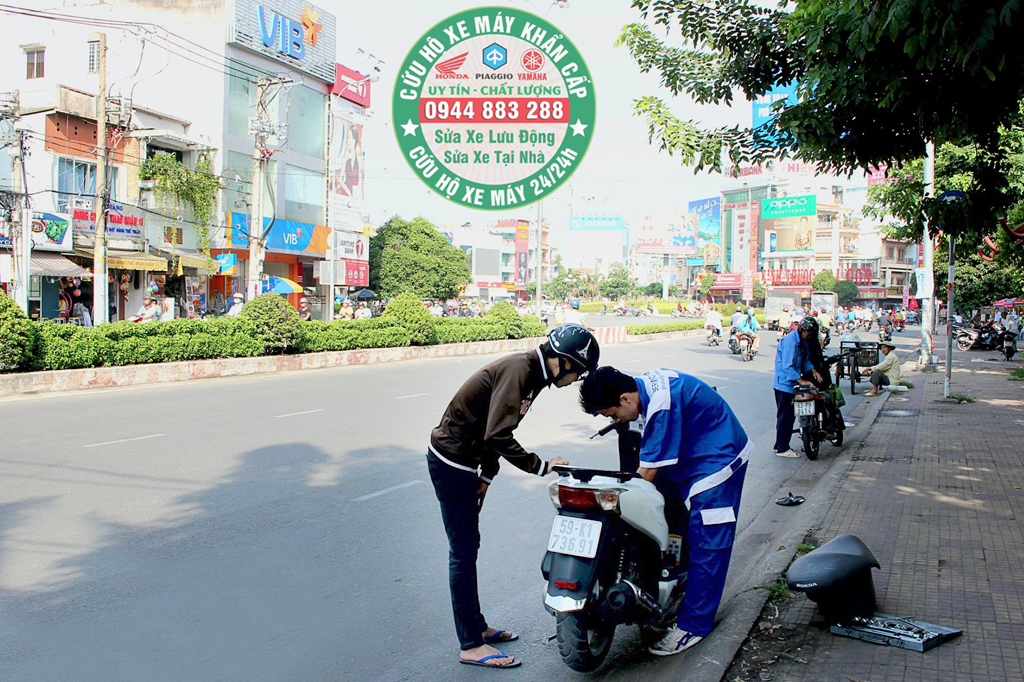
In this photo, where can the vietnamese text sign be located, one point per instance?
(50, 232)
(789, 207)
(673, 234)
(494, 108)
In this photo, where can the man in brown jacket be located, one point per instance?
(475, 431)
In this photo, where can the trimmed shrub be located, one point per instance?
(464, 330)
(407, 311)
(271, 321)
(319, 336)
(504, 315)
(533, 327)
(638, 329)
(17, 336)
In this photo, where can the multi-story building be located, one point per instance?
(183, 81)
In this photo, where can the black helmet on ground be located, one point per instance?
(578, 344)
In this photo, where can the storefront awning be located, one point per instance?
(55, 265)
(131, 260)
(188, 258)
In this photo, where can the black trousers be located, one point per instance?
(783, 420)
(456, 492)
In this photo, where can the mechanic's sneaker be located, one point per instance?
(789, 453)
(676, 641)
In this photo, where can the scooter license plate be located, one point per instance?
(804, 408)
(576, 537)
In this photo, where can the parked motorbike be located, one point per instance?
(980, 338)
(1008, 344)
(714, 335)
(820, 419)
(610, 561)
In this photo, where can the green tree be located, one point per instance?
(414, 257)
(824, 281)
(874, 81)
(758, 290)
(707, 281)
(618, 283)
(847, 290)
(653, 289)
(557, 288)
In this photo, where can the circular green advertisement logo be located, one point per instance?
(494, 108)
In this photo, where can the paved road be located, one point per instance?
(283, 528)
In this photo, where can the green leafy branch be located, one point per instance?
(198, 189)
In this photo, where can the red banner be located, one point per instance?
(754, 238)
(522, 253)
(357, 272)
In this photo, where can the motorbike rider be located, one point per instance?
(785, 320)
(574, 316)
(884, 321)
(734, 322)
(792, 361)
(817, 357)
(476, 429)
(695, 452)
(714, 319)
(748, 325)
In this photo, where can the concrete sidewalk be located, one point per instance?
(935, 491)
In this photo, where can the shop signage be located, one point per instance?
(351, 85)
(925, 282)
(859, 275)
(789, 207)
(286, 236)
(906, 295)
(123, 223)
(511, 286)
(357, 272)
(787, 278)
(748, 285)
(227, 264)
(729, 280)
(522, 253)
(295, 33)
(352, 246)
(872, 293)
(50, 232)
(494, 108)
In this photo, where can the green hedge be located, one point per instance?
(638, 329)
(264, 327)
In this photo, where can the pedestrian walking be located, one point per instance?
(475, 431)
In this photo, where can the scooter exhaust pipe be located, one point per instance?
(631, 603)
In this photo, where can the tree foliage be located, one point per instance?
(413, 257)
(824, 281)
(618, 283)
(707, 281)
(653, 289)
(874, 79)
(848, 291)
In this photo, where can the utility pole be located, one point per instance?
(21, 235)
(928, 303)
(540, 257)
(261, 128)
(100, 287)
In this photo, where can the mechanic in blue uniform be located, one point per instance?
(694, 449)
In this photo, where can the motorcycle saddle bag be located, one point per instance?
(837, 577)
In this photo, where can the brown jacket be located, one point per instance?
(477, 426)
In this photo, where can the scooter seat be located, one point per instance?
(837, 577)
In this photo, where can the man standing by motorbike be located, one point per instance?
(792, 361)
(462, 459)
(695, 451)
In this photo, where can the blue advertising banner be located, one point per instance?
(591, 222)
(763, 104)
(709, 229)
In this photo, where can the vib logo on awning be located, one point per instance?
(289, 37)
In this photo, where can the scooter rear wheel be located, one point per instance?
(582, 648)
(810, 442)
(963, 344)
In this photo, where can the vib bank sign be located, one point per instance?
(289, 31)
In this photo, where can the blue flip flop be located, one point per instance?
(482, 662)
(497, 637)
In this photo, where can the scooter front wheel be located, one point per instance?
(963, 344)
(583, 647)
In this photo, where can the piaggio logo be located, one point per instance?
(448, 69)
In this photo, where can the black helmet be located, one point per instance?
(809, 324)
(576, 342)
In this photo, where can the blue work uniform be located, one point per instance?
(692, 436)
(792, 361)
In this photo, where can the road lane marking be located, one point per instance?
(125, 440)
(392, 489)
(670, 355)
(296, 414)
(414, 395)
(630, 362)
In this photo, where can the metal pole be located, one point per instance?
(255, 269)
(949, 318)
(100, 286)
(540, 256)
(928, 304)
(22, 236)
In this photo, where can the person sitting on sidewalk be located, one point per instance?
(792, 360)
(695, 452)
(885, 373)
